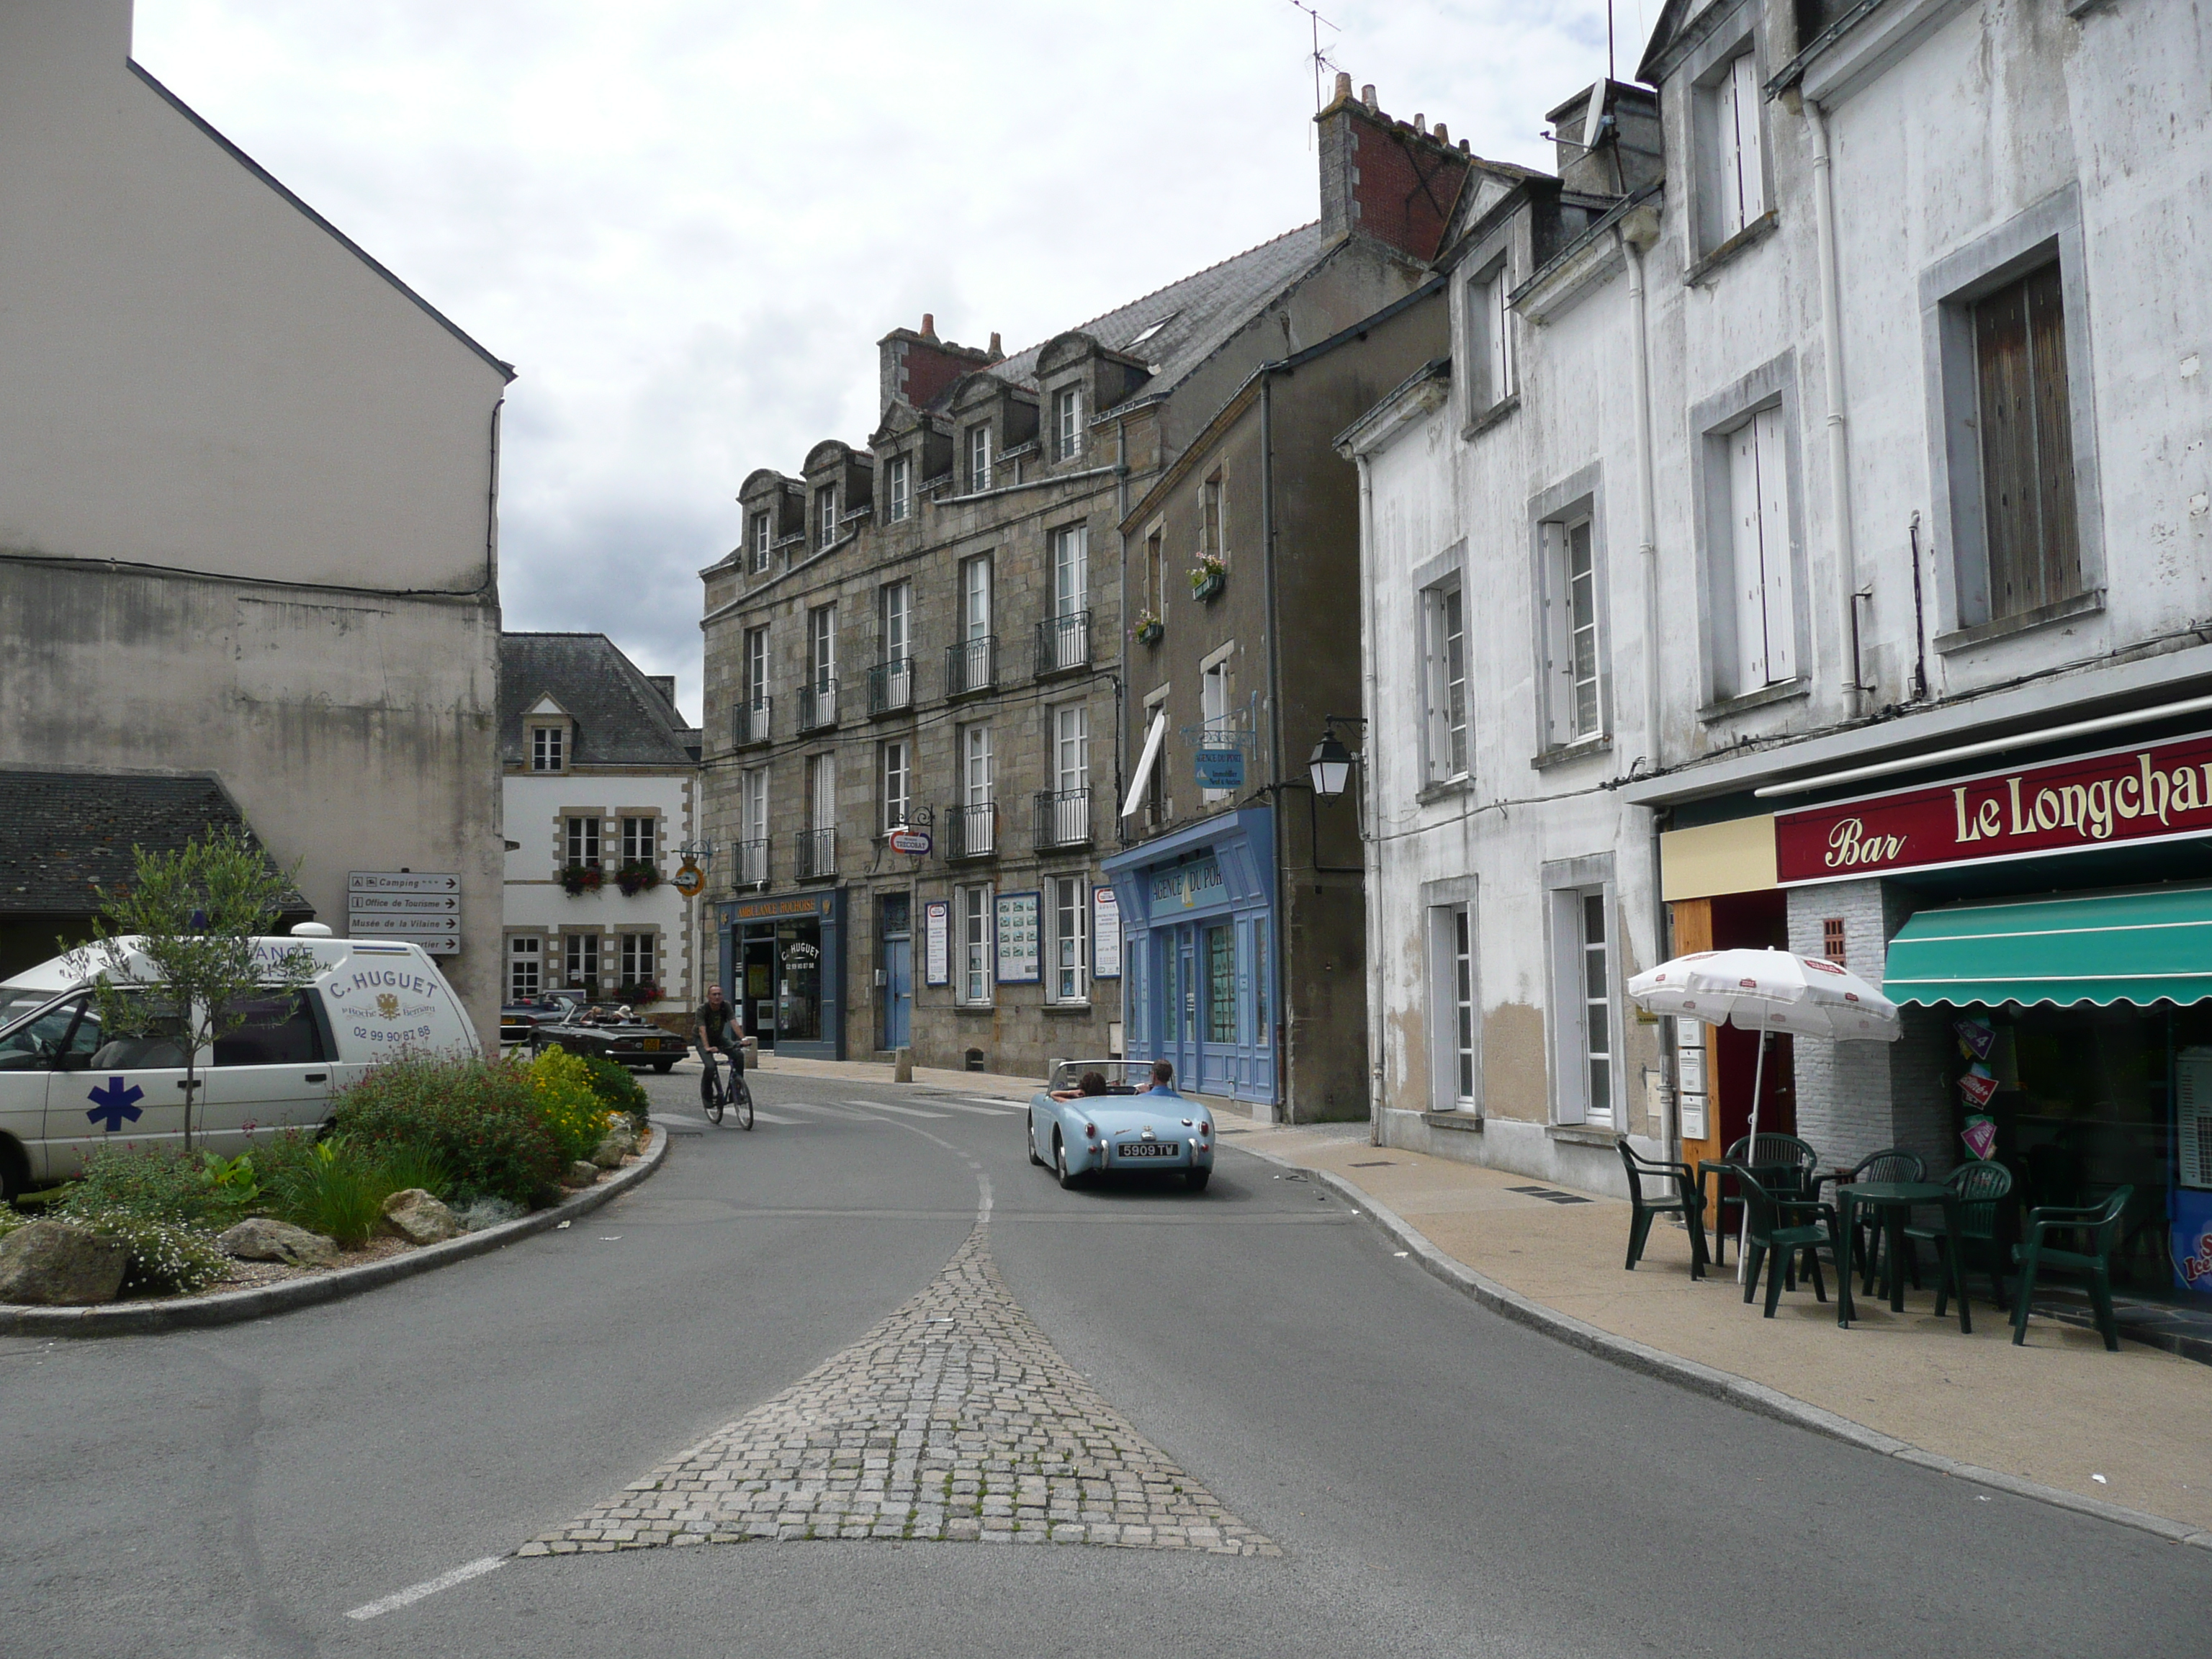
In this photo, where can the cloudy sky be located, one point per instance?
(687, 221)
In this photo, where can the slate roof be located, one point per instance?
(1200, 312)
(621, 717)
(63, 833)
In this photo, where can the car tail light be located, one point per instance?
(1090, 1132)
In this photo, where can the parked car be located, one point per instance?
(517, 1020)
(1124, 1130)
(67, 1086)
(611, 1034)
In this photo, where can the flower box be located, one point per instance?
(639, 878)
(1150, 630)
(581, 878)
(1207, 578)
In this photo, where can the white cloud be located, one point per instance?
(687, 221)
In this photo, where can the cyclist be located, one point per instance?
(719, 1032)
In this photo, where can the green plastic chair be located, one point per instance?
(1778, 1236)
(1982, 1190)
(2099, 1225)
(1891, 1163)
(1689, 1201)
(1785, 1163)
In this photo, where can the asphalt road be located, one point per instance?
(1441, 1481)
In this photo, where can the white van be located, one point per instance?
(66, 1087)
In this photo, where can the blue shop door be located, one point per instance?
(1215, 1012)
(898, 992)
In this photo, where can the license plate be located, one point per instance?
(1149, 1149)
(650, 1042)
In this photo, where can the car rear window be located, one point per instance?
(281, 1029)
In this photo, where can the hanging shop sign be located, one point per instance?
(914, 843)
(1021, 959)
(1221, 768)
(1105, 933)
(2150, 793)
(690, 880)
(937, 943)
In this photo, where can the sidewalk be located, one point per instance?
(2058, 1412)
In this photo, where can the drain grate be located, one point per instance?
(1550, 1194)
(1379, 1163)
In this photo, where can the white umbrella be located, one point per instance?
(1766, 991)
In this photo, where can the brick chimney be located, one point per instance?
(1384, 178)
(917, 366)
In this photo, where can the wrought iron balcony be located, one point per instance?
(971, 832)
(752, 862)
(1063, 643)
(1063, 817)
(971, 666)
(890, 686)
(749, 722)
(818, 705)
(817, 855)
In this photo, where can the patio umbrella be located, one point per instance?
(1766, 991)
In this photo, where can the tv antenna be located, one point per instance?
(1321, 60)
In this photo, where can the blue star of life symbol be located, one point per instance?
(115, 1103)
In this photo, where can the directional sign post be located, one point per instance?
(423, 906)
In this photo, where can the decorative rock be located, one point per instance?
(581, 1173)
(262, 1238)
(619, 1142)
(52, 1264)
(419, 1218)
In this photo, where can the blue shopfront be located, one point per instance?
(1198, 928)
(783, 965)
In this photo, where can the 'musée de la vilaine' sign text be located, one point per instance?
(2147, 794)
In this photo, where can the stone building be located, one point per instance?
(919, 643)
(248, 492)
(1757, 517)
(601, 807)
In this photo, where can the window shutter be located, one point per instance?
(1748, 573)
(1751, 176)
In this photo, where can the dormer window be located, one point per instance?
(979, 458)
(898, 488)
(549, 748)
(760, 533)
(825, 515)
(1067, 423)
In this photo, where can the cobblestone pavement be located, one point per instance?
(953, 1419)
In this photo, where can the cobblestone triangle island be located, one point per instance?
(954, 1419)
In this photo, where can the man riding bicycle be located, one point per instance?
(717, 1031)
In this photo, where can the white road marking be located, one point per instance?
(444, 1580)
(994, 1100)
(819, 1110)
(770, 1117)
(983, 1203)
(885, 1106)
(1002, 1109)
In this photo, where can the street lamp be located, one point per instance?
(1331, 765)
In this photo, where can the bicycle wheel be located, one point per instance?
(743, 1102)
(710, 1095)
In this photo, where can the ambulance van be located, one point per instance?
(66, 1086)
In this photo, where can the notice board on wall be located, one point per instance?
(937, 943)
(1021, 957)
(1105, 933)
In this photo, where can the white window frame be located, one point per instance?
(1445, 677)
(1067, 423)
(762, 533)
(977, 769)
(1069, 725)
(756, 668)
(822, 647)
(640, 838)
(1213, 516)
(1159, 804)
(1762, 583)
(1729, 109)
(896, 770)
(973, 917)
(825, 516)
(580, 959)
(977, 456)
(898, 488)
(637, 946)
(582, 838)
(549, 748)
(976, 597)
(1570, 885)
(1067, 968)
(1490, 325)
(752, 820)
(1557, 513)
(822, 791)
(1070, 569)
(1217, 715)
(525, 952)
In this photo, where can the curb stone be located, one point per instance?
(1713, 1382)
(234, 1307)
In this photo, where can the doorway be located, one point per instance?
(1752, 921)
(757, 999)
(897, 913)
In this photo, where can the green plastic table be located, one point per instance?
(1896, 1199)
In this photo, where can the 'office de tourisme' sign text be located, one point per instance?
(2151, 793)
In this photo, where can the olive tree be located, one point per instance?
(181, 951)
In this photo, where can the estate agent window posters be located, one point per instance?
(1021, 958)
(937, 942)
(1105, 934)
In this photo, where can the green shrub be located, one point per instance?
(164, 1183)
(478, 1118)
(560, 1084)
(338, 1192)
(618, 1092)
(167, 1257)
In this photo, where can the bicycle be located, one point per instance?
(714, 1097)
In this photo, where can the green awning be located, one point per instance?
(2145, 947)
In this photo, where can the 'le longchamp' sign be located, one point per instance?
(2155, 792)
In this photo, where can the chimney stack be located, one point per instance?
(1389, 179)
(1343, 84)
(929, 325)
(998, 353)
(917, 367)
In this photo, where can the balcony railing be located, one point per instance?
(1063, 643)
(749, 722)
(971, 832)
(890, 686)
(817, 853)
(818, 705)
(752, 863)
(972, 666)
(1063, 817)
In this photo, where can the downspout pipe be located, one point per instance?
(1638, 232)
(1832, 352)
(1370, 847)
(1280, 1106)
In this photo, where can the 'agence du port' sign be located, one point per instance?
(2158, 792)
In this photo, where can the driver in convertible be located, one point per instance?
(1163, 1079)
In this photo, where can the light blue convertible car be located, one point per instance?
(1116, 1127)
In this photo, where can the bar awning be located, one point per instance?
(2102, 948)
